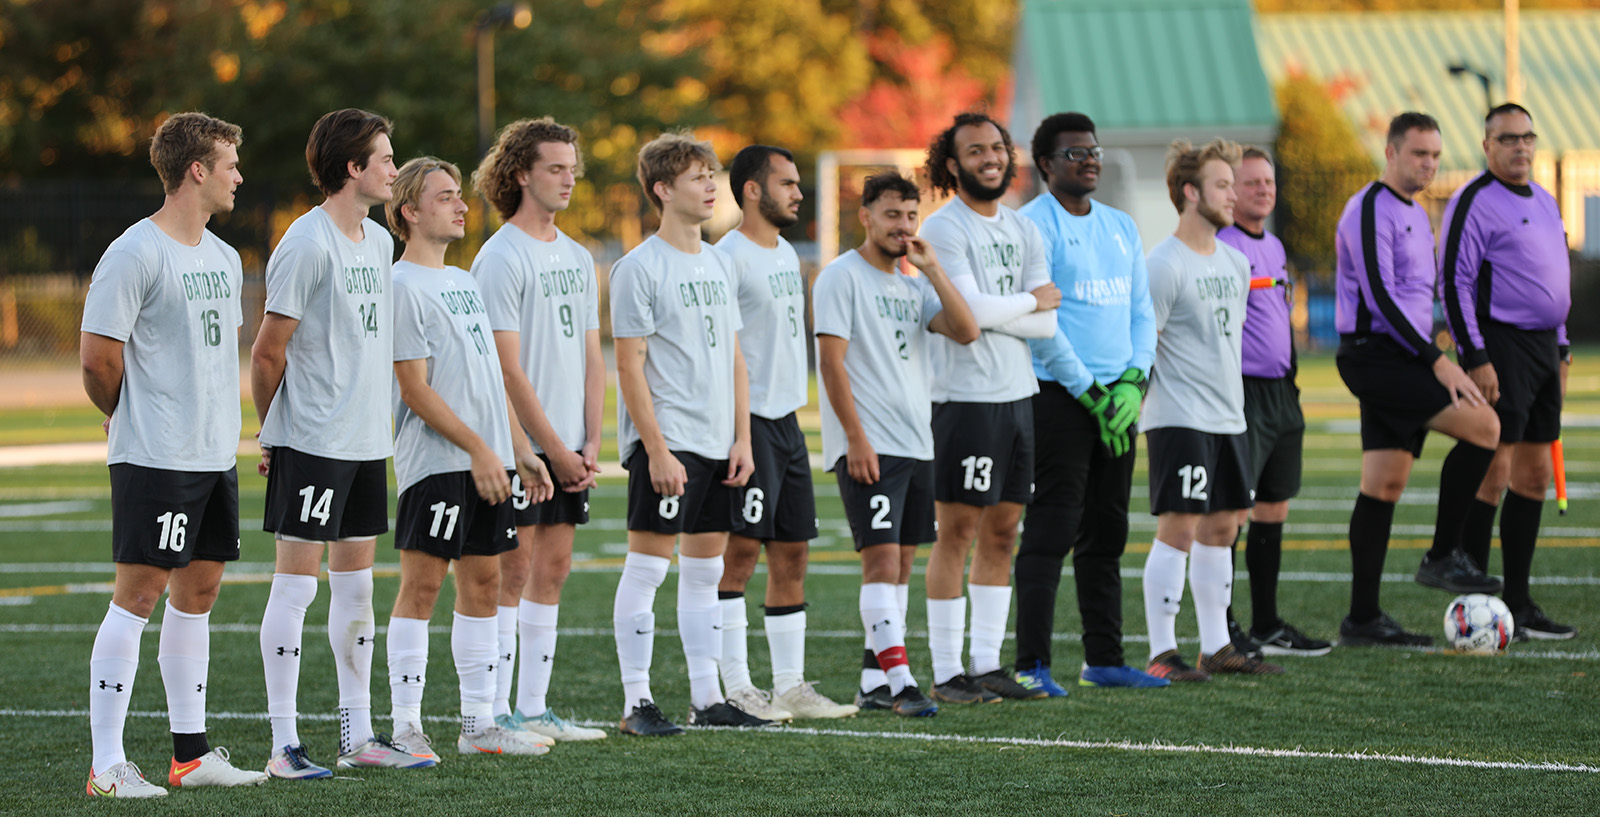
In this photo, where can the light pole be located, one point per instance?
(1460, 68)
(516, 15)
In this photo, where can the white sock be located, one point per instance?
(1211, 584)
(185, 658)
(281, 626)
(506, 663)
(112, 665)
(537, 623)
(408, 669)
(947, 621)
(991, 611)
(735, 663)
(1163, 595)
(902, 598)
(473, 643)
(634, 624)
(786, 640)
(881, 617)
(699, 619)
(351, 632)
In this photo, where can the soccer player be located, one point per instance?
(1506, 282)
(871, 322)
(683, 428)
(159, 361)
(982, 410)
(1194, 420)
(779, 507)
(453, 449)
(1406, 386)
(544, 307)
(1275, 428)
(1084, 429)
(321, 360)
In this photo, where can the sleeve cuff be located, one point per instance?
(1429, 353)
(1566, 352)
(1472, 359)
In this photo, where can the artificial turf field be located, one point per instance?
(1361, 731)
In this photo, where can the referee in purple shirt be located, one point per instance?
(1506, 283)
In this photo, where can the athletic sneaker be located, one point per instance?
(1120, 675)
(122, 780)
(382, 753)
(1039, 678)
(1531, 622)
(646, 720)
(1003, 682)
(212, 769)
(498, 741)
(292, 763)
(549, 726)
(724, 713)
(1456, 573)
(1171, 666)
(1382, 631)
(755, 702)
(961, 689)
(1286, 639)
(878, 697)
(911, 703)
(1231, 661)
(1241, 640)
(416, 741)
(805, 701)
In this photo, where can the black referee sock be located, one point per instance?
(1369, 544)
(1233, 567)
(1478, 532)
(187, 747)
(1463, 472)
(1263, 557)
(1519, 531)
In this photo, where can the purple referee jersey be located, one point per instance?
(1268, 340)
(1504, 259)
(1385, 275)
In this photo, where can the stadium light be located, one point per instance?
(1460, 68)
(516, 15)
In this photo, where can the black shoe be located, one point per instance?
(961, 689)
(1380, 632)
(1456, 573)
(1285, 639)
(1001, 682)
(1531, 622)
(876, 698)
(723, 713)
(912, 704)
(1242, 642)
(647, 721)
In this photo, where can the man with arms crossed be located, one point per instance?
(160, 361)
(871, 323)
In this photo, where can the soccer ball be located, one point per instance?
(1479, 624)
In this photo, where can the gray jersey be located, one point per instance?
(176, 309)
(687, 308)
(339, 357)
(772, 302)
(1200, 303)
(1005, 256)
(885, 317)
(546, 292)
(439, 316)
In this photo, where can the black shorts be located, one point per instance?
(983, 452)
(562, 509)
(1528, 363)
(896, 510)
(1398, 392)
(167, 518)
(442, 515)
(1196, 472)
(707, 506)
(1276, 436)
(779, 504)
(324, 500)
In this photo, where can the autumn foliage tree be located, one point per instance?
(1321, 164)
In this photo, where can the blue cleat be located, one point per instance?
(1121, 675)
(1038, 678)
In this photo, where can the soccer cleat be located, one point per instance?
(725, 713)
(1039, 678)
(646, 720)
(292, 763)
(416, 742)
(379, 752)
(518, 722)
(961, 689)
(1171, 666)
(549, 726)
(212, 769)
(1285, 639)
(1531, 622)
(499, 741)
(1120, 675)
(1382, 631)
(122, 780)
(911, 703)
(805, 701)
(1003, 683)
(1456, 573)
(1230, 661)
(755, 702)
(878, 697)
(1241, 640)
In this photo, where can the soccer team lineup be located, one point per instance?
(983, 376)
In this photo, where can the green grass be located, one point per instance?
(1537, 705)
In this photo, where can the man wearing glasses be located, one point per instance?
(1506, 284)
(1092, 375)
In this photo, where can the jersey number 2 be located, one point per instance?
(1194, 481)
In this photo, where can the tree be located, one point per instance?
(1321, 164)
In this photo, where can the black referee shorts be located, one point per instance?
(1528, 363)
(1276, 434)
(1397, 391)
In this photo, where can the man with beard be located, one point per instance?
(982, 409)
(1194, 420)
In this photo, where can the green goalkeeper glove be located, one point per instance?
(1102, 405)
(1127, 394)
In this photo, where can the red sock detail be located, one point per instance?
(893, 657)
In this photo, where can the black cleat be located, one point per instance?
(912, 704)
(875, 698)
(961, 689)
(723, 713)
(647, 721)
(1456, 573)
(1531, 622)
(1241, 640)
(1382, 631)
(1001, 682)
(1285, 639)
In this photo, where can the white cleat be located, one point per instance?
(212, 769)
(806, 702)
(292, 763)
(382, 753)
(554, 727)
(122, 780)
(755, 702)
(415, 743)
(499, 741)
